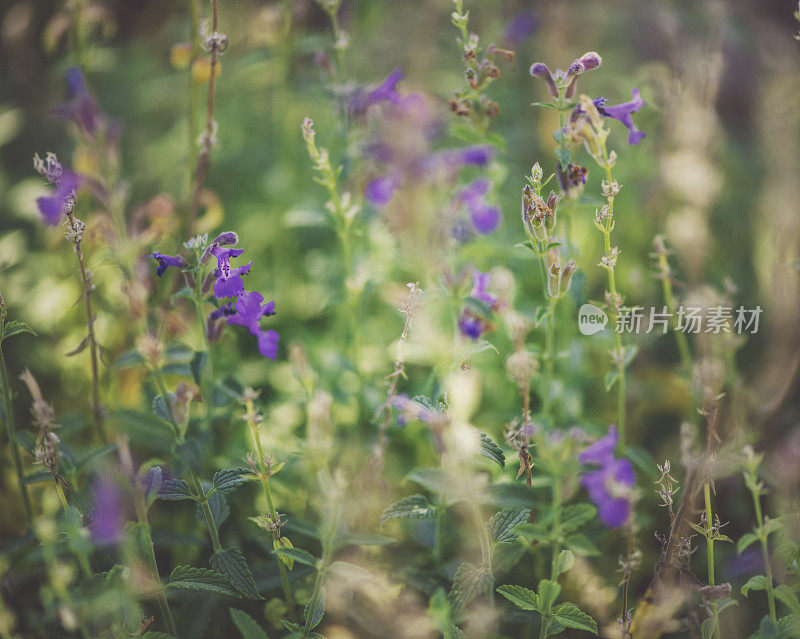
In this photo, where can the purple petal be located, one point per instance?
(51, 208)
(602, 451)
(268, 343)
(485, 219)
(380, 191)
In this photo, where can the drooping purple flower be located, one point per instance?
(165, 261)
(622, 112)
(471, 325)
(229, 280)
(79, 106)
(53, 206)
(609, 485)
(480, 288)
(108, 517)
(380, 191)
(386, 91)
(485, 218)
(214, 325)
(249, 311)
(521, 26)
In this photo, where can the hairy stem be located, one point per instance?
(710, 553)
(762, 536)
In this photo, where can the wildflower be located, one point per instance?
(380, 191)
(484, 218)
(608, 486)
(622, 112)
(165, 261)
(471, 325)
(541, 70)
(559, 277)
(520, 27)
(62, 199)
(229, 280)
(249, 310)
(79, 106)
(480, 287)
(386, 91)
(108, 519)
(214, 325)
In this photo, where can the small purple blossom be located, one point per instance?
(249, 311)
(380, 191)
(471, 325)
(485, 218)
(480, 288)
(79, 106)
(108, 518)
(229, 280)
(607, 486)
(213, 324)
(165, 261)
(622, 112)
(521, 27)
(386, 91)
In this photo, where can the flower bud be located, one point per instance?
(591, 60)
(541, 70)
(226, 238)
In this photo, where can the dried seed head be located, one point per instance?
(521, 367)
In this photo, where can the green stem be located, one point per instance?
(209, 516)
(191, 148)
(762, 536)
(549, 356)
(12, 439)
(556, 541)
(710, 553)
(163, 604)
(264, 477)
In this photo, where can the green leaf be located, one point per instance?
(130, 359)
(789, 626)
(15, 327)
(175, 490)
(192, 578)
(79, 348)
(576, 515)
(197, 365)
(548, 593)
(363, 540)
(95, 454)
(38, 477)
(284, 542)
(570, 616)
(469, 582)
(315, 611)
(297, 554)
(545, 105)
(785, 594)
(412, 507)
(581, 545)
(456, 633)
(520, 597)
(160, 409)
(432, 479)
(492, 451)
(229, 479)
(232, 564)
(247, 625)
(707, 628)
(501, 525)
(756, 582)
(220, 509)
(745, 541)
(563, 562)
(352, 572)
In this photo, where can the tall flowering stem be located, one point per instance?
(191, 148)
(8, 418)
(215, 43)
(264, 471)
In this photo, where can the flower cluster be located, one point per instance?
(474, 321)
(609, 486)
(62, 199)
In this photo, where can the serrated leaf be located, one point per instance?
(581, 545)
(15, 327)
(193, 578)
(432, 479)
(229, 479)
(756, 582)
(520, 597)
(175, 490)
(284, 542)
(412, 507)
(246, 625)
(95, 454)
(492, 451)
(576, 515)
(456, 633)
(297, 554)
(785, 594)
(159, 407)
(501, 526)
(232, 564)
(563, 562)
(548, 593)
(745, 541)
(570, 616)
(789, 626)
(469, 582)
(315, 611)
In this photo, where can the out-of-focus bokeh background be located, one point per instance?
(717, 173)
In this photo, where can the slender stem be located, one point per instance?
(250, 416)
(762, 535)
(710, 553)
(549, 355)
(191, 149)
(206, 376)
(163, 604)
(60, 492)
(88, 287)
(203, 158)
(669, 298)
(207, 514)
(12, 439)
(556, 541)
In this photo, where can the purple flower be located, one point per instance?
(249, 310)
(380, 191)
(213, 324)
(108, 519)
(79, 106)
(384, 92)
(607, 486)
(165, 261)
(622, 112)
(521, 27)
(480, 287)
(229, 281)
(484, 218)
(471, 325)
(52, 207)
